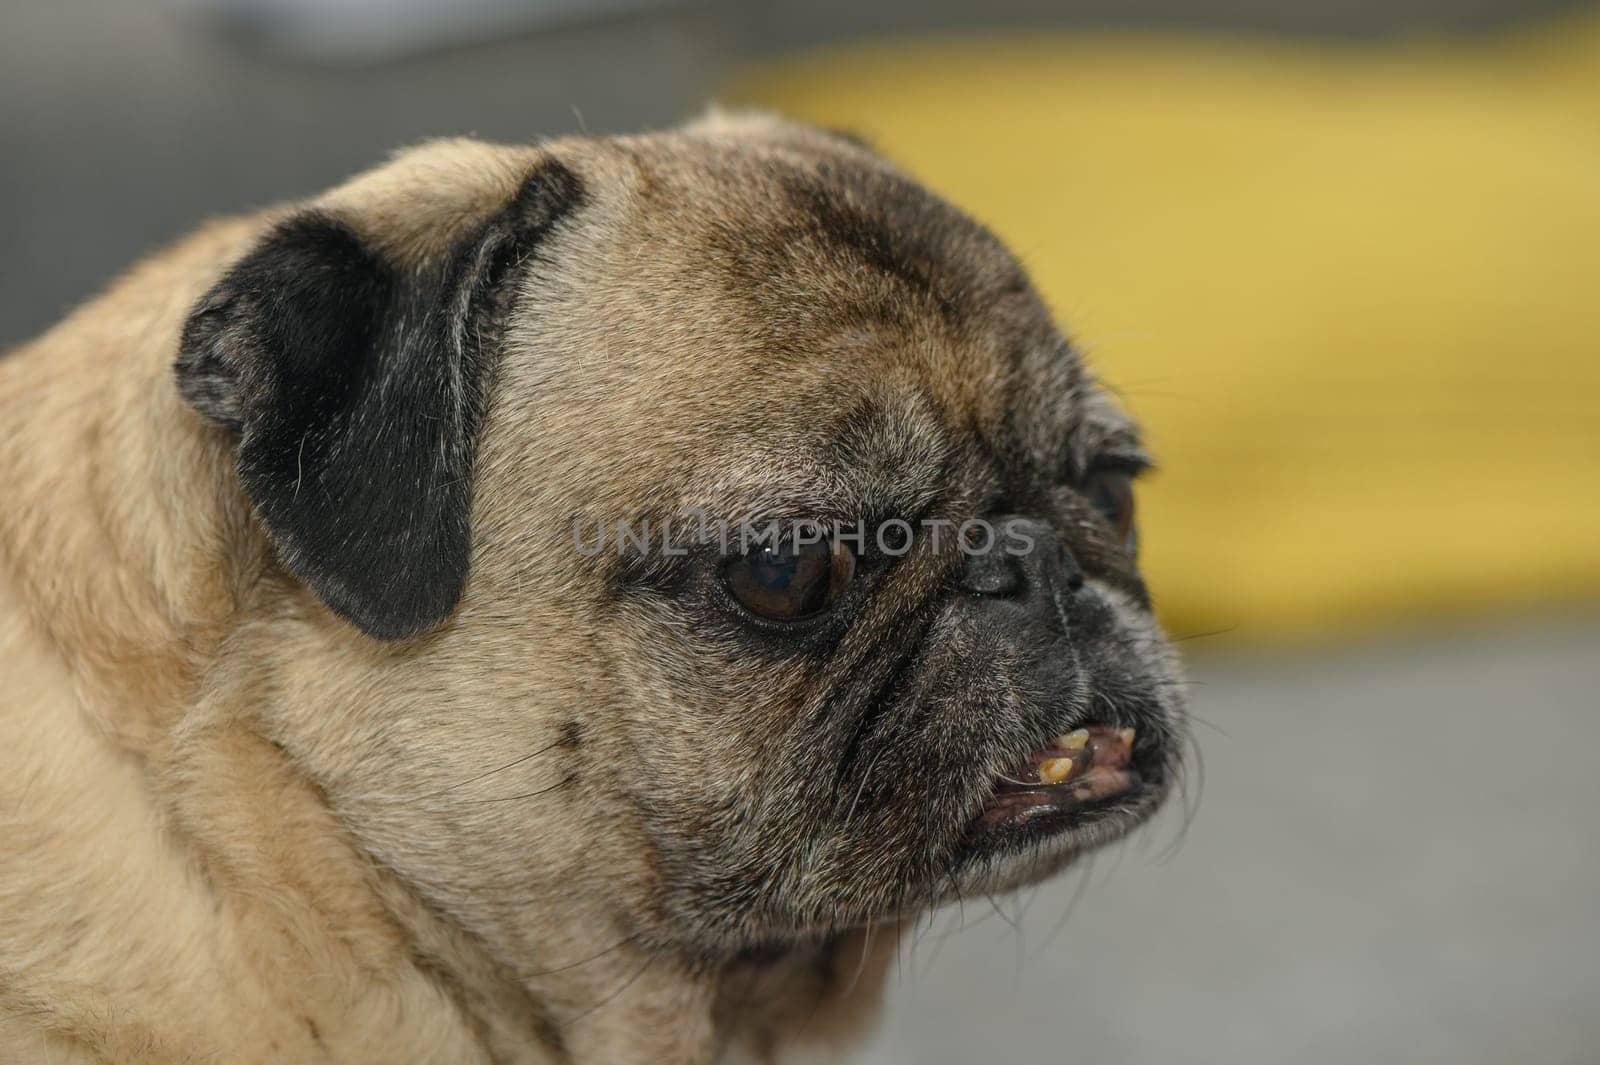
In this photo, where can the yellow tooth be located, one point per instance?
(1055, 770)
(1076, 740)
(1126, 736)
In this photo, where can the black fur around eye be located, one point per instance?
(791, 581)
(1111, 493)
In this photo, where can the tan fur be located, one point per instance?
(235, 830)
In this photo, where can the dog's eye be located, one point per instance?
(792, 580)
(1111, 493)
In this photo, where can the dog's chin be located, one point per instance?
(1086, 789)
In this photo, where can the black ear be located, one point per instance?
(357, 388)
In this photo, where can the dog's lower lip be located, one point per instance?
(1021, 804)
(1078, 771)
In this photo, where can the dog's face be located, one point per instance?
(749, 557)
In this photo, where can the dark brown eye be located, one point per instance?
(792, 580)
(1111, 493)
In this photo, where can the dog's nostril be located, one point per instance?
(1032, 561)
(1067, 571)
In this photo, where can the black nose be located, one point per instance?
(1024, 558)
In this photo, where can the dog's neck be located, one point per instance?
(127, 564)
(114, 533)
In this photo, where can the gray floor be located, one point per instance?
(1396, 859)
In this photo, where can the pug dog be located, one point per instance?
(390, 672)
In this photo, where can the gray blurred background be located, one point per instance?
(123, 122)
(1395, 857)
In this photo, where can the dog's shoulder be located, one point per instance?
(130, 933)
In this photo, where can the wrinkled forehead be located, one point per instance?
(887, 443)
(776, 316)
(825, 238)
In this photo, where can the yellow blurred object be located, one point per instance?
(1353, 291)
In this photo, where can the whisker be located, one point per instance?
(1214, 727)
(1191, 807)
(1203, 635)
(861, 962)
(1003, 915)
(629, 982)
(1072, 903)
(861, 787)
(563, 782)
(492, 772)
(585, 961)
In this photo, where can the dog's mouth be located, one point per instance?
(1076, 779)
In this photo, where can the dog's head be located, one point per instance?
(709, 534)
